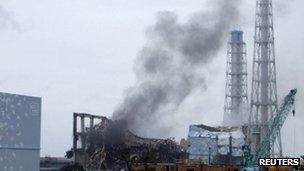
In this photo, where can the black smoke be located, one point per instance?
(169, 67)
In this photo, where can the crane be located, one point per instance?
(275, 125)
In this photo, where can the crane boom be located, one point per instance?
(275, 125)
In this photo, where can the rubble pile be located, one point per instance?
(110, 145)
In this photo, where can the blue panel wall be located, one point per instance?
(20, 127)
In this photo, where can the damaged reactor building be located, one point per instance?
(107, 144)
(102, 143)
(216, 145)
(223, 145)
(110, 144)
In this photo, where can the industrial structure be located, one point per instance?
(20, 125)
(263, 104)
(275, 124)
(80, 135)
(55, 163)
(236, 97)
(216, 145)
(250, 130)
(108, 145)
(184, 166)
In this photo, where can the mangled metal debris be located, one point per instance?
(110, 145)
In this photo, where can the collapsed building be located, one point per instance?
(110, 145)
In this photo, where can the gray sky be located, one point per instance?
(78, 56)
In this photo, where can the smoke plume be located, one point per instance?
(170, 66)
(282, 8)
(7, 20)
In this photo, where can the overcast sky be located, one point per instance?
(78, 56)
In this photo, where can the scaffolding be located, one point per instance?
(264, 103)
(236, 96)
